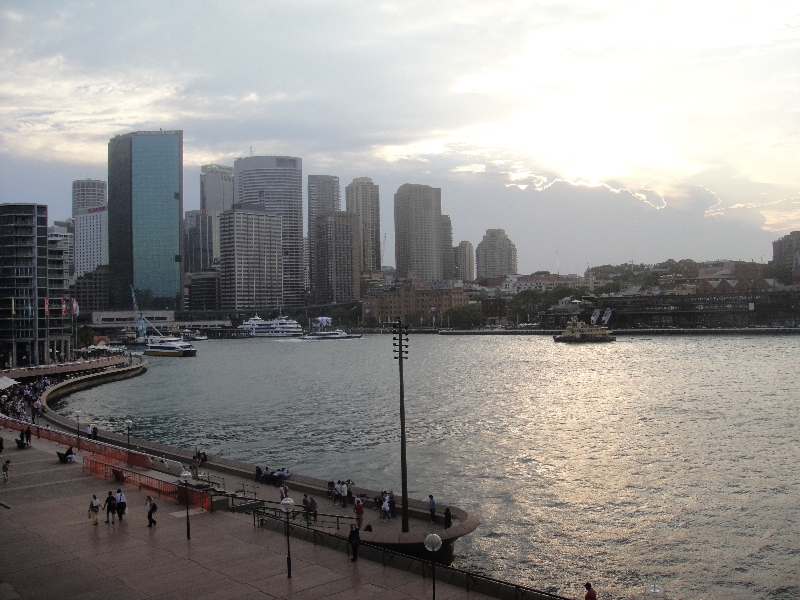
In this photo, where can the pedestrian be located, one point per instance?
(432, 507)
(358, 508)
(344, 494)
(6, 466)
(385, 510)
(151, 510)
(312, 507)
(392, 504)
(94, 432)
(590, 593)
(94, 508)
(448, 518)
(111, 507)
(354, 540)
(122, 504)
(337, 492)
(1, 446)
(28, 436)
(305, 506)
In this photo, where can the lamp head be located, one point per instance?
(433, 542)
(185, 475)
(287, 505)
(128, 422)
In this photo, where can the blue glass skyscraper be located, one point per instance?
(145, 206)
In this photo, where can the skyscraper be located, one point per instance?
(275, 184)
(324, 196)
(419, 232)
(91, 239)
(464, 257)
(252, 267)
(338, 257)
(216, 196)
(446, 248)
(88, 193)
(199, 241)
(363, 198)
(145, 211)
(496, 255)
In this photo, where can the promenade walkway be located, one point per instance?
(50, 549)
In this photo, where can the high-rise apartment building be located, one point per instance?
(62, 236)
(446, 248)
(324, 196)
(362, 197)
(88, 193)
(145, 218)
(338, 257)
(464, 258)
(198, 229)
(496, 255)
(216, 196)
(251, 274)
(35, 311)
(91, 238)
(275, 185)
(419, 232)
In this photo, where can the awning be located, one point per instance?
(7, 382)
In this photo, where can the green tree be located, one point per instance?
(463, 317)
(85, 336)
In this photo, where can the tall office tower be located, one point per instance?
(198, 241)
(216, 196)
(419, 229)
(496, 255)
(64, 241)
(324, 196)
(446, 248)
(275, 184)
(363, 198)
(145, 218)
(88, 193)
(34, 308)
(91, 239)
(306, 266)
(464, 258)
(251, 274)
(338, 257)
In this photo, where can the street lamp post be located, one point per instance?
(287, 505)
(432, 544)
(78, 417)
(185, 478)
(400, 343)
(128, 424)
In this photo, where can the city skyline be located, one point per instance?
(678, 135)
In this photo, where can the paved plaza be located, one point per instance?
(50, 549)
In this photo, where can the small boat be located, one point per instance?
(337, 334)
(159, 345)
(187, 335)
(277, 328)
(578, 332)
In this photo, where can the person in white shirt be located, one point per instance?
(121, 504)
(343, 491)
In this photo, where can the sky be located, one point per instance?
(592, 132)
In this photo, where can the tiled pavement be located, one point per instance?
(50, 549)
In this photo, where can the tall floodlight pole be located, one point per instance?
(401, 354)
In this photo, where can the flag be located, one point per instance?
(75, 310)
(63, 306)
(13, 310)
(46, 306)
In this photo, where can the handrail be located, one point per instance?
(455, 576)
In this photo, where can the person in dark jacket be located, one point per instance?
(448, 518)
(354, 540)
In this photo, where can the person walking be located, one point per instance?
(28, 436)
(354, 540)
(94, 508)
(1, 445)
(448, 518)
(151, 507)
(312, 507)
(358, 508)
(344, 494)
(385, 510)
(432, 507)
(122, 504)
(111, 507)
(590, 593)
(6, 466)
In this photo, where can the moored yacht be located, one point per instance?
(337, 334)
(277, 328)
(160, 345)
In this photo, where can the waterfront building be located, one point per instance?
(362, 197)
(204, 290)
(324, 196)
(274, 184)
(464, 261)
(91, 238)
(216, 196)
(338, 257)
(496, 255)
(730, 269)
(145, 218)
(419, 229)
(62, 236)
(92, 289)
(784, 249)
(199, 241)
(88, 193)
(35, 311)
(251, 273)
(413, 300)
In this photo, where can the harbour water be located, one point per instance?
(672, 461)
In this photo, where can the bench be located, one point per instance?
(20, 444)
(119, 476)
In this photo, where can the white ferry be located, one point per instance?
(159, 345)
(277, 328)
(579, 332)
(337, 334)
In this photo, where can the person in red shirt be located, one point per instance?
(590, 593)
(358, 508)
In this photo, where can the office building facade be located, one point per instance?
(338, 257)
(274, 184)
(251, 274)
(496, 255)
(324, 196)
(91, 238)
(362, 197)
(446, 248)
(464, 261)
(419, 232)
(88, 193)
(62, 236)
(198, 229)
(216, 196)
(145, 218)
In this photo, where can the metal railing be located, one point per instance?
(271, 509)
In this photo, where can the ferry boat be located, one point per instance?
(578, 332)
(187, 335)
(160, 345)
(276, 328)
(337, 334)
